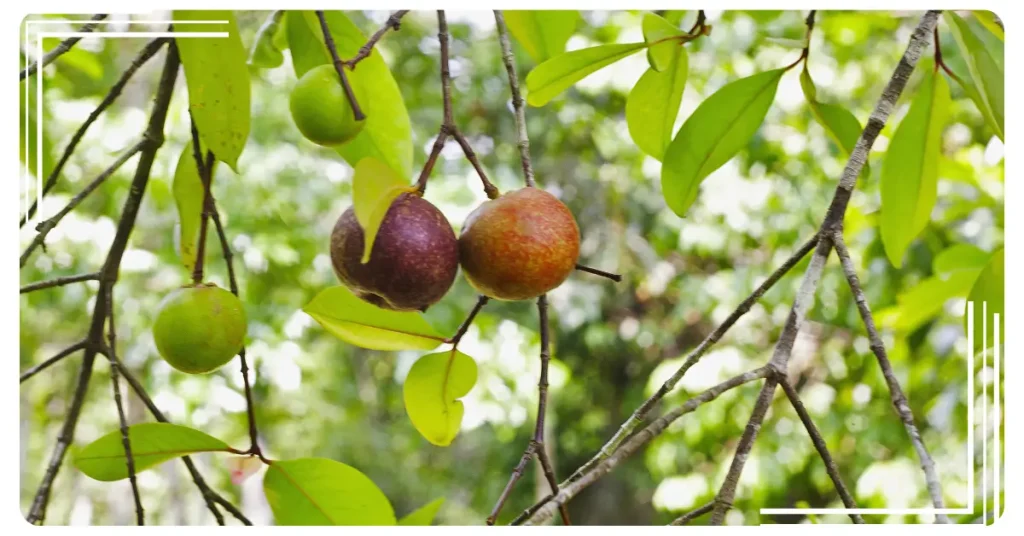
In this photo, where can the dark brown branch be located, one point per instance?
(61, 48)
(489, 189)
(819, 445)
(508, 58)
(614, 277)
(899, 400)
(393, 23)
(205, 172)
(45, 227)
(435, 151)
(59, 282)
(339, 67)
(481, 301)
(693, 514)
(147, 52)
(60, 356)
(116, 385)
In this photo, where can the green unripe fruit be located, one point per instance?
(199, 328)
(321, 110)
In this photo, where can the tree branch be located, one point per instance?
(205, 172)
(508, 58)
(61, 48)
(125, 442)
(693, 514)
(147, 52)
(393, 23)
(59, 282)
(339, 67)
(60, 355)
(481, 301)
(614, 277)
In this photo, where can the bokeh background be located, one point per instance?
(613, 343)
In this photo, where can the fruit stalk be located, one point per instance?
(339, 66)
(205, 170)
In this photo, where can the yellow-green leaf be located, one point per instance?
(357, 322)
(432, 391)
(717, 130)
(839, 123)
(549, 79)
(985, 65)
(543, 33)
(422, 516)
(374, 187)
(653, 105)
(188, 196)
(910, 168)
(265, 52)
(318, 491)
(218, 82)
(307, 49)
(989, 21)
(658, 33)
(962, 256)
(989, 297)
(151, 444)
(926, 299)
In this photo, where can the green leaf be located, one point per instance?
(840, 124)
(985, 65)
(151, 444)
(910, 169)
(763, 16)
(662, 49)
(387, 134)
(307, 48)
(988, 20)
(218, 82)
(431, 392)
(962, 256)
(717, 130)
(549, 79)
(542, 33)
(653, 105)
(374, 187)
(925, 300)
(357, 322)
(424, 515)
(265, 52)
(188, 196)
(318, 491)
(989, 289)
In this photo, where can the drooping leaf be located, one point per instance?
(988, 20)
(318, 491)
(839, 123)
(925, 300)
(387, 134)
(265, 52)
(424, 515)
(962, 256)
(188, 196)
(218, 82)
(985, 65)
(151, 444)
(432, 391)
(713, 134)
(357, 322)
(374, 187)
(653, 105)
(662, 49)
(543, 33)
(549, 79)
(989, 297)
(910, 169)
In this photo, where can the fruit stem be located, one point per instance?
(461, 332)
(339, 66)
(206, 177)
(614, 277)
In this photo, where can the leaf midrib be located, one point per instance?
(303, 492)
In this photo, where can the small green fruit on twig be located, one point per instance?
(199, 328)
(321, 110)
(520, 245)
(413, 261)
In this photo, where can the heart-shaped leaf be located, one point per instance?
(188, 192)
(713, 134)
(551, 78)
(422, 516)
(432, 391)
(151, 445)
(374, 187)
(910, 170)
(318, 491)
(218, 82)
(653, 105)
(357, 322)
(985, 65)
(662, 49)
(543, 33)
(989, 297)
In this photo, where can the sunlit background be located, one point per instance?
(613, 343)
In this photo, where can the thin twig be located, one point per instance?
(614, 277)
(144, 55)
(819, 444)
(693, 514)
(508, 58)
(339, 67)
(125, 441)
(61, 48)
(59, 282)
(60, 355)
(393, 23)
(899, 400)
(481, 301)
(205, 172)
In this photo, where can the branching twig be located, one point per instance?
(393, 23)
(147, 52)
(339, 67)
(60, 355)
(59, 282)
(125, 441)
(508, 58)
(61, 48)
(464, 327)
(693, 514)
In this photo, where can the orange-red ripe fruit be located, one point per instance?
(520, 245)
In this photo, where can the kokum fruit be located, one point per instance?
(199, 328)
(321, 110)
(414, 258)
(520, 245)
